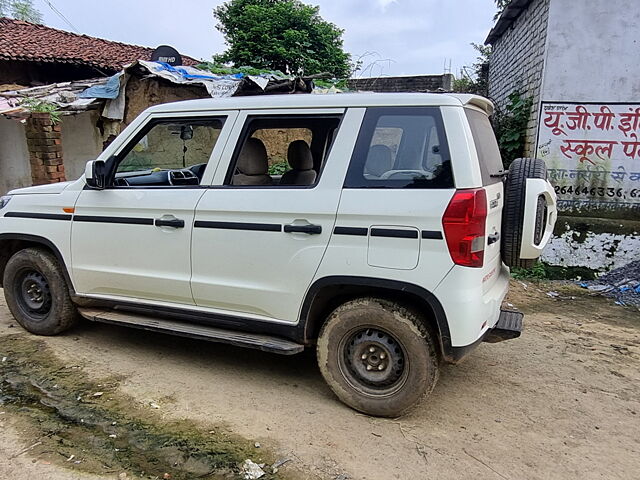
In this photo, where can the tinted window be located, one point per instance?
(486, 145)
(401, 148)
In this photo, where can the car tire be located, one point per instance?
(378, 357)
(37, 294)
(513, 212)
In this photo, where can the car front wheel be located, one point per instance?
(37, 294)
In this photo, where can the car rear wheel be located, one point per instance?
(37, 294)
(513, 212)
(377, 357)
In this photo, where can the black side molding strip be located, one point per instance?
(42, 216)
(358, 231)
(261, 227)
(123, 220)
(432, 234)
(393, 233)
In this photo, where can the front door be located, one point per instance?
(260, 233)
(133, 239)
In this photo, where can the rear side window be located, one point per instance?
(486, 146)
(401, 147)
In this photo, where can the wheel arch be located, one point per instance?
(11, 243)
(327, 293)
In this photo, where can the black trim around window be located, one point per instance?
(355, 175)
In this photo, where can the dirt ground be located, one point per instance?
(561, 402)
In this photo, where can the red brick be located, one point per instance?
(38, 43)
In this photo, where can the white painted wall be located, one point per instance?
(592, 51)
(81, 142)
(15, 170)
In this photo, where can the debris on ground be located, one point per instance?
(622, 284)
(251, 470)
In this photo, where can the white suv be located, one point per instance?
(384, 238)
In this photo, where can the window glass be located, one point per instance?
(486, 146)
(169, 145)
(281, 151)
(401, 148)
(277, 141)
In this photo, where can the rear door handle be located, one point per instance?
(169, 222)
(309, 228)
(493, 238)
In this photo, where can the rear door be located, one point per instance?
(257, 243)
(491, 168)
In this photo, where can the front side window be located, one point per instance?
(169, 153)
(401, 147)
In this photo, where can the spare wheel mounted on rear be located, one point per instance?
(517, 226)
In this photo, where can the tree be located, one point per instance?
(20, 10)
(501, 4)
(475, 79)
(284, 35)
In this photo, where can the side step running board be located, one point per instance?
(203, 332)
(509, 326)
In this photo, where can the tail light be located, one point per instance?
(464, 227)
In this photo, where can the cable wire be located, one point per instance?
(59, 13)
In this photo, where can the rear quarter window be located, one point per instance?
(401, 147)
(486, 145)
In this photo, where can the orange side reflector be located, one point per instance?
(69, 209)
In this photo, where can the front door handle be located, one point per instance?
(169, 222)
(308, 228)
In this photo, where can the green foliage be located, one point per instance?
(284, 35)
(543, 271)
(537, 272)
(511, 127)
(475, 79)
(279, 168)
(501, 4)
(219, 69)
(40, 106)
(20, 10)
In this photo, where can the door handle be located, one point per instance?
(493, 238)
(169, 222)
(308, 228)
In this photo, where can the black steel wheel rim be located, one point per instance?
(373, 361)
(33, 294)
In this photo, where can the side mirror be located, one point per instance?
(95, 174)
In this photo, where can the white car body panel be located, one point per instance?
(266, 275)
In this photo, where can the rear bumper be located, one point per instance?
(509, 326)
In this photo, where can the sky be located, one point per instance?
(391, 37)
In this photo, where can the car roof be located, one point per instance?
(337, 100)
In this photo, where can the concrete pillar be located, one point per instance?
(44, 141)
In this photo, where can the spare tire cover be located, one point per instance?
(513, 210)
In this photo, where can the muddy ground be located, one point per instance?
(561, 402)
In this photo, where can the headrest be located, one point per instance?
(379, 160)
(253, 158)
(299, 155)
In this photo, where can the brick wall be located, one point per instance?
(413, 83)
(44, 143)
(517, 63)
